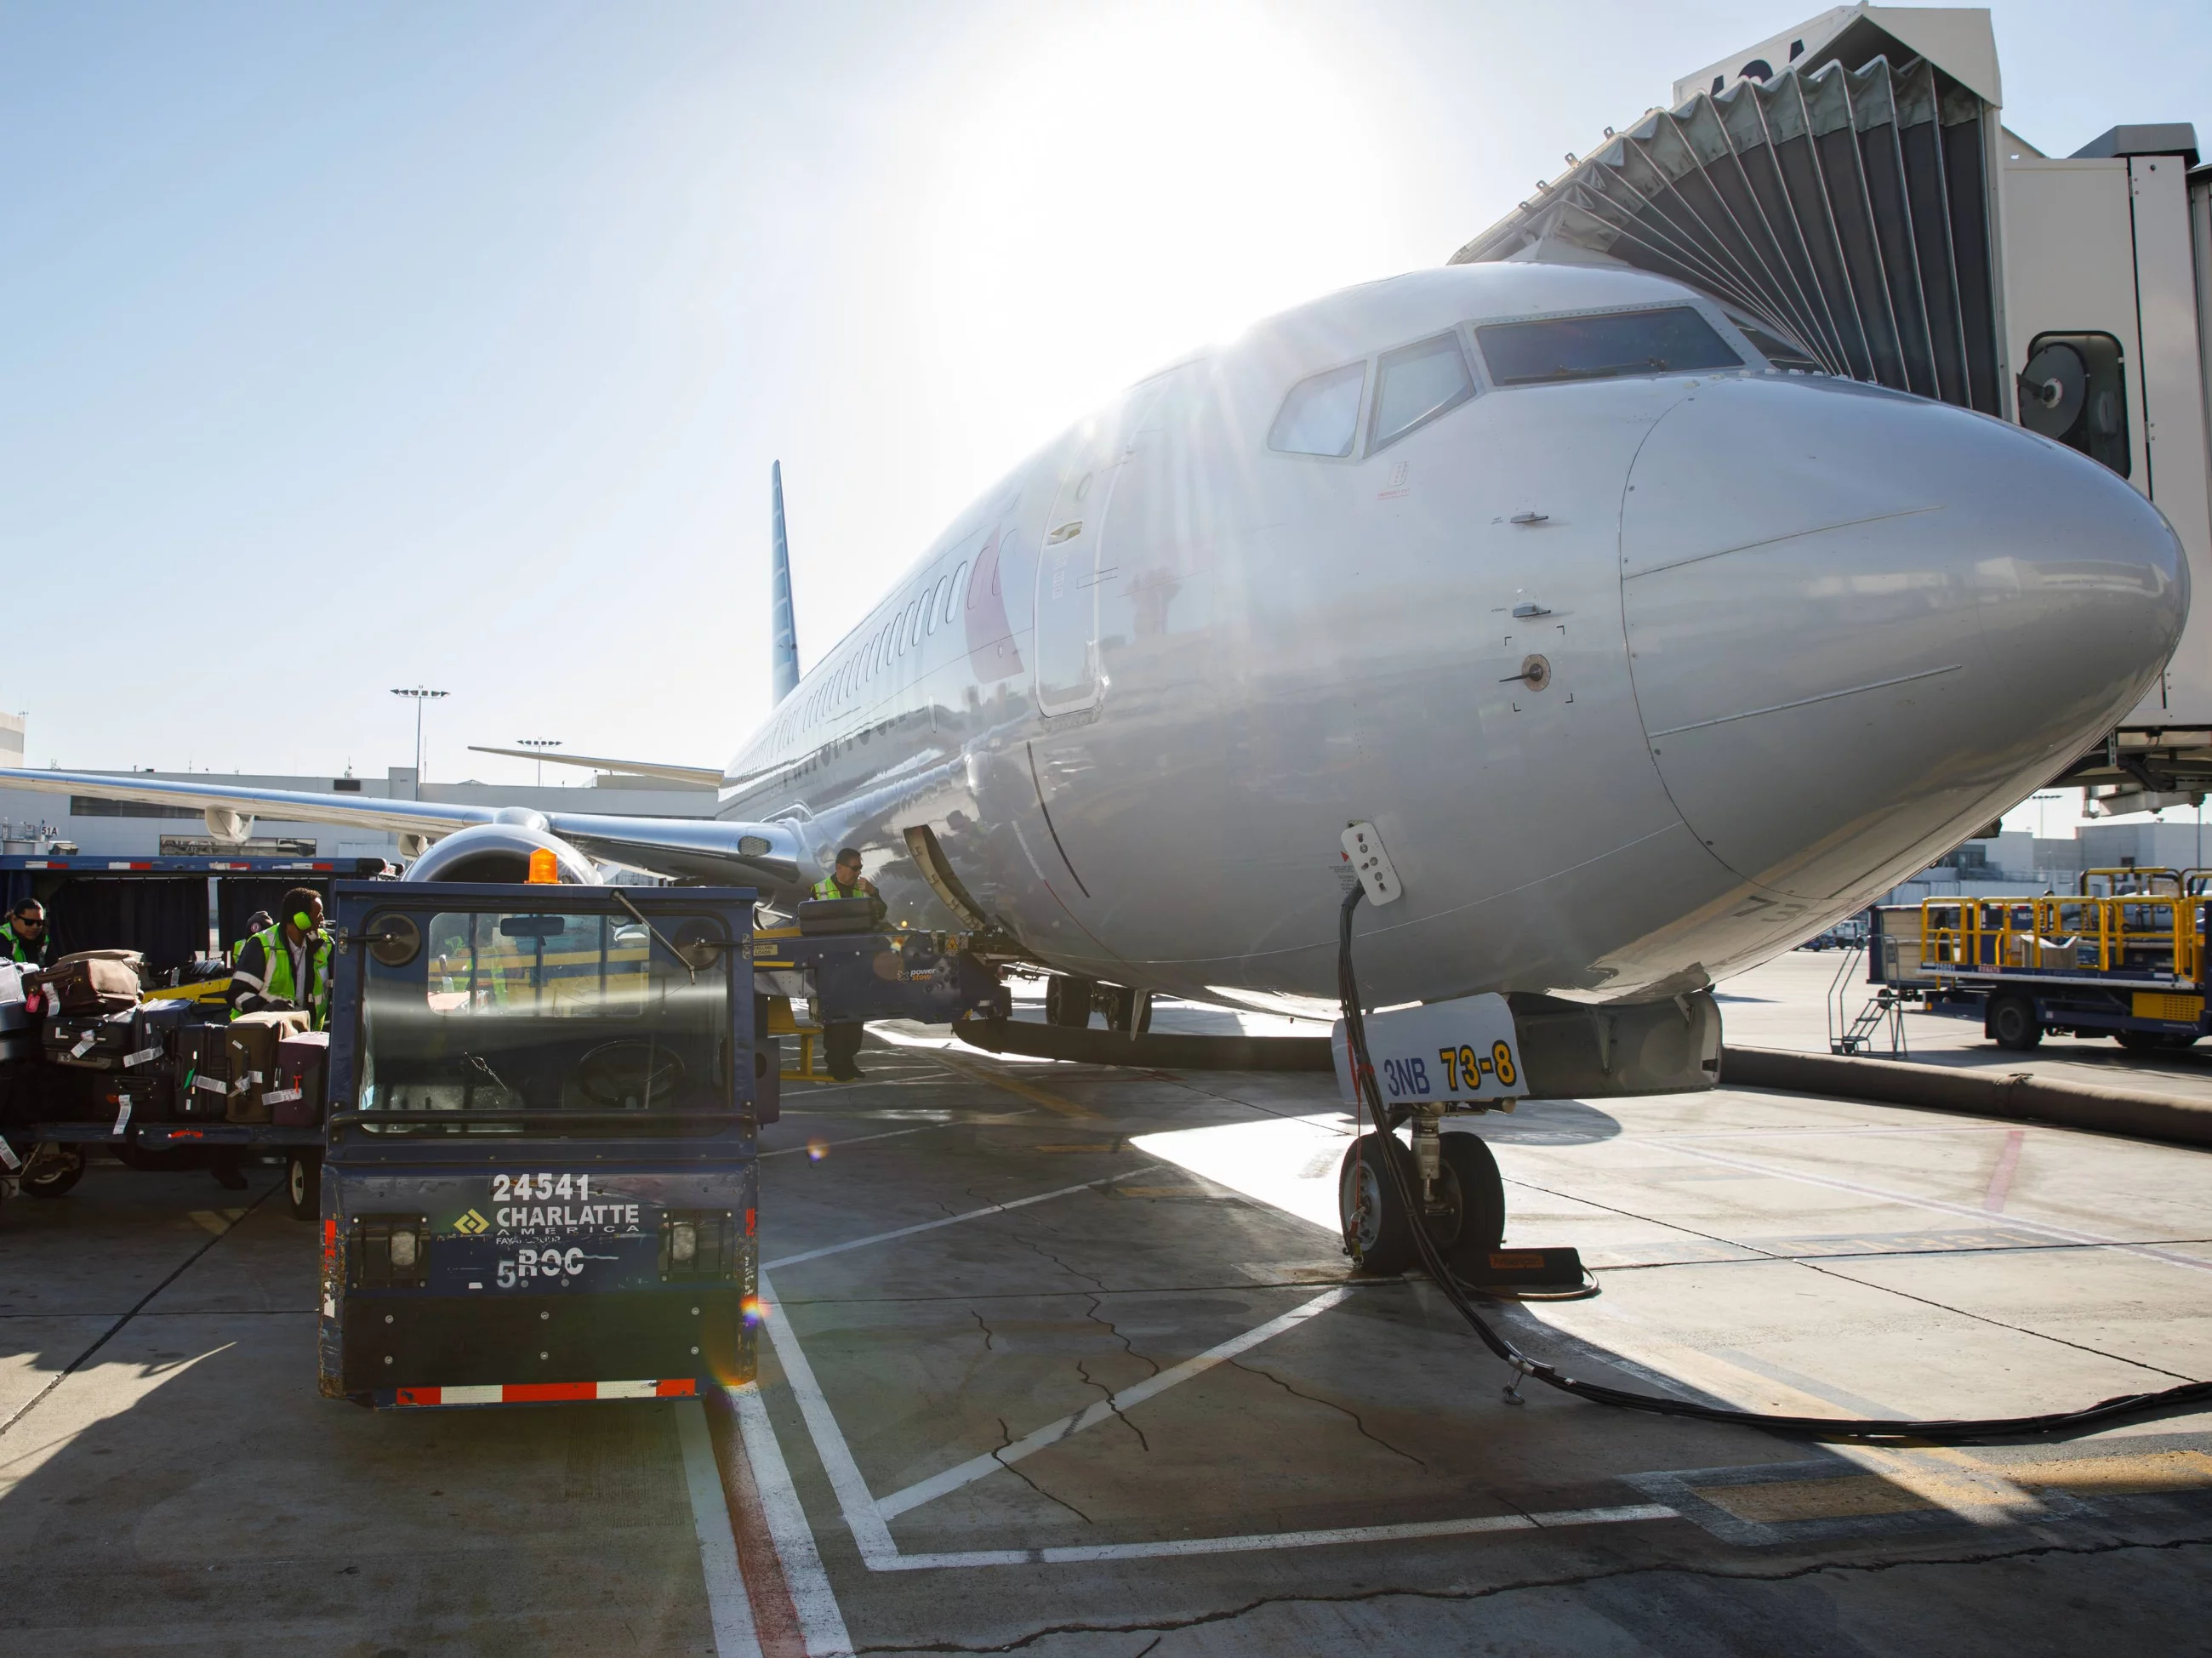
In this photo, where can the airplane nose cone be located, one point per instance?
(1860, 625)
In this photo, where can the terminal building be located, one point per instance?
(35, 824)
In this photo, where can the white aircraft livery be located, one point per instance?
(1646, 652)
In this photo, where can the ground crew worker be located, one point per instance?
(260, 921)
(23, 934)
(841, 1042)
(287, 964)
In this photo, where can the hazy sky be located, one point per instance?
(347, 347)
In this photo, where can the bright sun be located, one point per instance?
(1141, 182)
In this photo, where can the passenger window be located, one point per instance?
(1417, 383)
(1320, 416)
(929, 610)
(1675, 341)
(952, 593)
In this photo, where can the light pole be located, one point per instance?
(539, 743)
(420, 694)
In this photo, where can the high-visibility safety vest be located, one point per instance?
(19, 949)
(827, 888)
(278, 955)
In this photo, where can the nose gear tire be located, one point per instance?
(1377, 1232)
(1472, 1171)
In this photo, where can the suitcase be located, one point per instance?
(253, 1038)
(296, 1101)
(200, 1058)
(19, 1025)
(819, 917)
(91, 984)
(138, 1096)
(97, 1041)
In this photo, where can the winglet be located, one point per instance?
(784, 647)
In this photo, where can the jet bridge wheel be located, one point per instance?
(1376, 1226)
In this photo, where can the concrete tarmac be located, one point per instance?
(1068, 1360)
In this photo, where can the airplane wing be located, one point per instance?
(766, 855)
(709, 775)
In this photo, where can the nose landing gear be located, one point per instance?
(1461, 1197)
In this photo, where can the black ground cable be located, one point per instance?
(1940, 1432)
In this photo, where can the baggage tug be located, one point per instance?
(540, 1182)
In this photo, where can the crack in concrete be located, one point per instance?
(1083, 1369)
(1313, 1399)
(1005, 1439)
(989, 1345)
(1168, 1626)
(1029, 1242)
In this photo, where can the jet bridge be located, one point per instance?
(1849, 191)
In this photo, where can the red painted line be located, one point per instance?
(681, 1388)
(540, 1393)
(776, 1614)
(2000, 1176)
(419, 1395)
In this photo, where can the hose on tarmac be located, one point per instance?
(1947, 1432)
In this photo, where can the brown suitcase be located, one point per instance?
(296, 1101)
(92, 984)
(253, 1038)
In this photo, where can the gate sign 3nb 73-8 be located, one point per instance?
(1442, 1051)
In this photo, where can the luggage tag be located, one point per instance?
(280, 1096)
(83, 1044)
(7, 1155)
(213, 1085)
(140, 1057)
(121, 1117)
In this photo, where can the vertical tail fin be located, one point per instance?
(783, 659)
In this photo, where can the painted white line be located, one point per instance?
(728, 1608)
(821, 1621)
(954, 1220)
(1973, 1213)
(1088, 1554)
(869, 1532)
(979, 1467)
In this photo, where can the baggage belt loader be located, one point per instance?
(2131, 965)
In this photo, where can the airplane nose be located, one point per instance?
(1860, 624)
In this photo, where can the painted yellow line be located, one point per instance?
(2118, 1475)
(1030, 1091)
(1845, 1496)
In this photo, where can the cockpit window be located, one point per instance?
(1322, 415)
(1675, 341)
(1779, 351)
(1417, 383)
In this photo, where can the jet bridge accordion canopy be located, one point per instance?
(1844, 207)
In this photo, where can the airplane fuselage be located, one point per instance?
(1643, 676)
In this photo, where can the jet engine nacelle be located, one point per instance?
(500, 851)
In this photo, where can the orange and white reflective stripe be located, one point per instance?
(546, 1393)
